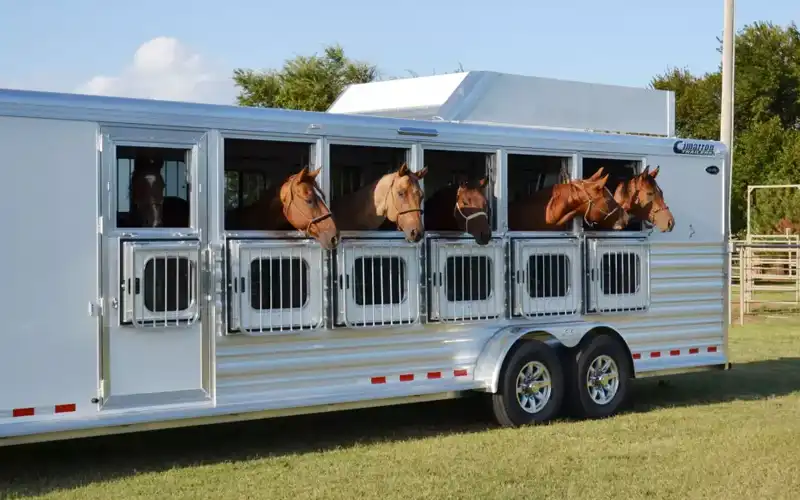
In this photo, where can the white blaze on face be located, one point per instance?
(151, 179)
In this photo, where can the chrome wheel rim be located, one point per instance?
(534, 387)
(602, 379)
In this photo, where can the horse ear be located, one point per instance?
(403, 170)
(421, 173)
(301, 174)
(597, 174)
(646, 171)
(313, 173)
(654, 173)
(600, 183)
(483, 182)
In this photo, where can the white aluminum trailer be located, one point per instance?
(104, 351)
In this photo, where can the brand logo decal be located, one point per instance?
(693, 148)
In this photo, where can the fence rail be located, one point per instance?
(765, 275)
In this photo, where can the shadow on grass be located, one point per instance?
(41, 468)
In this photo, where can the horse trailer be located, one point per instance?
(539, 241)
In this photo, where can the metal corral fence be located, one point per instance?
(765, 277)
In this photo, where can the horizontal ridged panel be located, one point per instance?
(687, 306)
(686, 310)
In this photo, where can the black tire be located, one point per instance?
(580, 400)
(507, 409)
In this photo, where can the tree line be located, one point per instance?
(766, 110)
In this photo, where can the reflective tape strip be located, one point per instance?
(32, 411)
(457, 373)
(674, 352)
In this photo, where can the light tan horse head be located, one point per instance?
(305, 208)
(399, 198)
(646, 200)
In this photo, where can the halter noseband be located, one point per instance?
(590, 201)
(468, 218)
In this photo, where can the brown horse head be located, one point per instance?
(470, 210)
(589, 197)
(399, 198)
(646, 200)
(305, 208)
(147, 192)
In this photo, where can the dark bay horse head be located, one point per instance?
(305, 208)
(646, 200)
(147, 192)
(470, 210)
(398, 197)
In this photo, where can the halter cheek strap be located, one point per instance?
(311, 220)
(394, 205)
(589, 202)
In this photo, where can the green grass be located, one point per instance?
(711, 435)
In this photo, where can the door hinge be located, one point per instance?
(100, 225)
(101, 389)
(96, 308)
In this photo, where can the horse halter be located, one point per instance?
(468, 218)
(589, 202)
(311, 220)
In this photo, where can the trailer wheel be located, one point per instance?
(600, 377)
(531, 386)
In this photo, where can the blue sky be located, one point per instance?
(62, 45)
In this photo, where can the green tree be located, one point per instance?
(308, 83)
(766, 114)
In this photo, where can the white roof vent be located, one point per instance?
(500, 98)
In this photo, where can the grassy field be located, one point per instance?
(713, 435)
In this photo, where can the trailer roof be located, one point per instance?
(490, 97)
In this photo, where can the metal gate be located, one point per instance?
(546, 277)
(378, 282)
(467, 280)
(619, 274)
(275, 286)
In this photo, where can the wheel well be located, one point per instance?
(604, 330)
(538, 335)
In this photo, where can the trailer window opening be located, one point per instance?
(468, 278)
(379, 281)
(618, 171)
(171, 165)
(528, 174)
(447, 167)
(279, 283)
(620, 273)
(255, 169)
(167, 284)
(548, 276)
(355, 166)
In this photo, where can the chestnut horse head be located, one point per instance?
(592, 197)
(305, 209)
(147, 192)
(398, 197)
(646, 200)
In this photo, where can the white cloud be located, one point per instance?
(163, 68)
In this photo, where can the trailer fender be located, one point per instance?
(497, 348)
